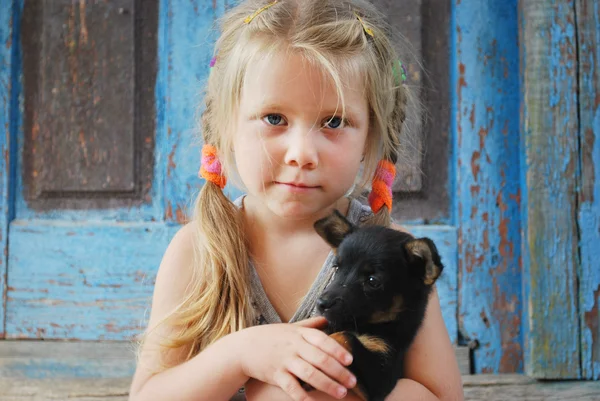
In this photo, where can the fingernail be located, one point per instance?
(341, 392)
(352, 381)
(348, 359)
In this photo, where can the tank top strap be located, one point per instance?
(266, 314)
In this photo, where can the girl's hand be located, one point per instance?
(280, 354)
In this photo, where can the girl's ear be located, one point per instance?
(334, 228)
(423, 255)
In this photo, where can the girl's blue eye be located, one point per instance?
(274, 119)
(334, 122)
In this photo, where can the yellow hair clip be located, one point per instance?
(249, 18)
(368, 30)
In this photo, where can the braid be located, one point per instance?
(381, 190)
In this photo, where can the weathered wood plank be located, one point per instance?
(89, 72)
(85, 281)
(186, 40)
(476, 388)
(59, 360)
(80, 107)
(147, 204)
(19, 389)
(94, 287)
(517, 387)
(588, 29)
(485, 73)
(549, 165)
(6, 126)
(102, 360)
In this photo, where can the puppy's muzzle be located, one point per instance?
(325, 303)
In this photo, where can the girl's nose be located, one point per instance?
(302, 150)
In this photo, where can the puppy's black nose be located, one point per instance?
(326, 303)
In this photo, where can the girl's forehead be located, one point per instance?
(285, 77)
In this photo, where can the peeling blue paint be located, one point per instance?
(5, 110)
(189, 34)
(86, 281)
(589, 206)
(485, 87)
(549, 177)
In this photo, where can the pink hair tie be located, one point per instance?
(381, 191)
(210, 168)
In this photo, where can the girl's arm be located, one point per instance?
(430, 366)
(214, 374)
(272, 353)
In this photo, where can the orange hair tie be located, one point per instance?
(210, 169)
(381, 191)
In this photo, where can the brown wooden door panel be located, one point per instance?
(89, 106)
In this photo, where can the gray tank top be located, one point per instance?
(265, 312)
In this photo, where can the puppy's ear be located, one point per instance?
(423, 255)
(333, 228)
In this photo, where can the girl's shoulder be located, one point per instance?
(170, 287)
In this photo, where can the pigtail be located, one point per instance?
(381, 196)
(222, 303)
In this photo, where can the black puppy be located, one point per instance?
(376, 301)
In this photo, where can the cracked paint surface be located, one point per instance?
(487, 128)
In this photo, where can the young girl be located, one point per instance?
(304, 106)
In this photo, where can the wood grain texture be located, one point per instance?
(485, 75)
(6, 124)
(82, 281)
(145, 202)
(516, 387)
(63, 360)
(86, 359)
(549, 167)
(476, 388)
(82, 129)
(588, 30)
(76, 389)
(88, 73)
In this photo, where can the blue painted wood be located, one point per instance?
(92, 271)
(549, 166)
(7, 107)
(97, 279)
(90, 281)
(445, 238)
(485, 107)
(588, 28)
(188, 31)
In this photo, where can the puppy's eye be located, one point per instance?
(374, 282)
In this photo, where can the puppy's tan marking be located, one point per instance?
(390, 314)
(374, 344)
(341, 339)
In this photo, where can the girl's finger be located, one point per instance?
(327, 364)
(313, 323)
(328, 345)
(289, 384)
(313, 376)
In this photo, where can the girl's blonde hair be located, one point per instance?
(343, 38)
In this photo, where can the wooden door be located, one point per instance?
(104, 154)
(86, 210)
